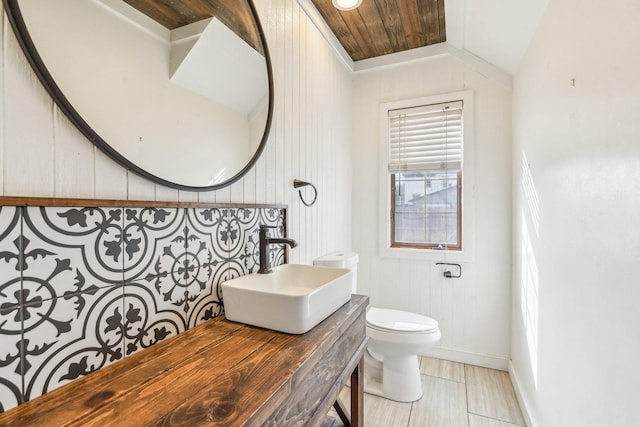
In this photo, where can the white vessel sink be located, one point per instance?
(292, 299)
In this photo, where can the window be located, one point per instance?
(425, 164)
(424, 147)
(423, 215)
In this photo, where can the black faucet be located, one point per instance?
(265, 241)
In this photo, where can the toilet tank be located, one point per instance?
(341, 260)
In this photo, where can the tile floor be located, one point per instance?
(455, 395)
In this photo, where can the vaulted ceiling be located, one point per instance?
(497, 31)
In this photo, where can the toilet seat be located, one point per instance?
(400, 322)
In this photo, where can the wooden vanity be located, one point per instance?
(219, 373)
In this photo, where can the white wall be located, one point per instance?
(43, 155)
(576, 161)
(474, 311)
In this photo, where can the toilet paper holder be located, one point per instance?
(448, 274)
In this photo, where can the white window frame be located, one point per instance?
(468, 182)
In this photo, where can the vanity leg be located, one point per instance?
(357, 395)
(342, 412)
(354, 417)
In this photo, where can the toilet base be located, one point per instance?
(400, 380)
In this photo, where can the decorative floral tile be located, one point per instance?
(10, 360)
(10, 218)
(10, 311)
(208, 237)
(154, 242)
(62, 313)
(11, 257)
(70, 336)
(148, 318)
(243, 222)
(57, 239)
(245, 255)
(155, 305)
(206, 306)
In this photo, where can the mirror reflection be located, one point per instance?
(181, 92)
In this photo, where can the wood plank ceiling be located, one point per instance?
(380, 27)
(235, 14)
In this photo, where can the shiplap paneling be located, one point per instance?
(73, 158)
(27, 126)
(43, 155)
(473, 310)
(110, 180)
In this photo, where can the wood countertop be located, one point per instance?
(219, 373)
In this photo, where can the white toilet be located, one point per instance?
(396, 338)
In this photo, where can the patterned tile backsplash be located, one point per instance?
(81, 288)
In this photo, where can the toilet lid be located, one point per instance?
(400, 321)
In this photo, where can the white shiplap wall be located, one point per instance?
(42, 154)
(473, 311)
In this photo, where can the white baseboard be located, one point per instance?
(524, 406)
(484, 360)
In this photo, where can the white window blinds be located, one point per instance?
(426, 138)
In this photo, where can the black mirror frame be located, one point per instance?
(12, 10)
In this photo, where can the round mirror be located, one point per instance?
(179, 92)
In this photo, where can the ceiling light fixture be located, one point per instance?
(346, 4)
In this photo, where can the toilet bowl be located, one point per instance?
(396, 338)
